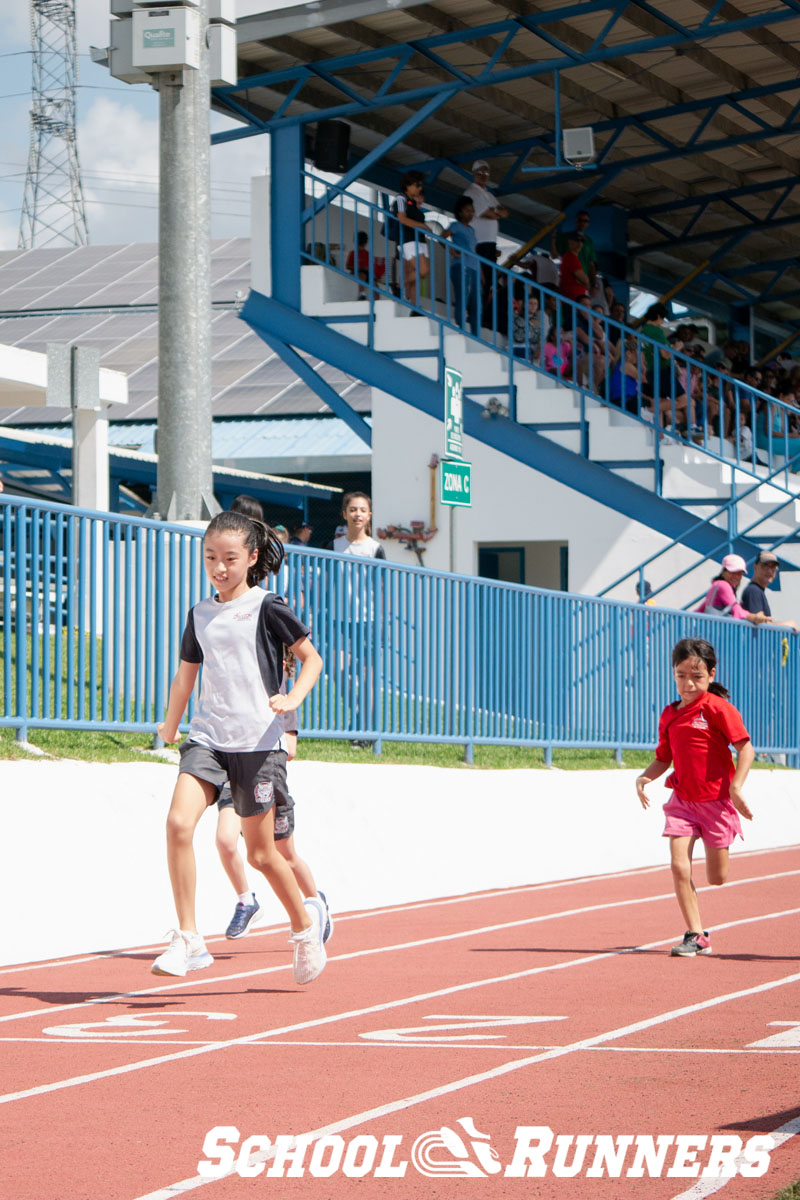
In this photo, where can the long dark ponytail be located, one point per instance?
(256, 536)
(700, 648)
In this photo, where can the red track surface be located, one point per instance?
(96, 1103)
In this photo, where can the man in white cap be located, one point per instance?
(754, 596)
(487, 214)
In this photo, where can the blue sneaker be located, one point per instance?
(242, 919)
(328, 930)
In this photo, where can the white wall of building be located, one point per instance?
(86, 869)
(511, 505)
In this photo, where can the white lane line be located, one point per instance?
(317, 1022)
(352, 1045)
(707, 1187)
(102, 955)
(187, 1185)
(117, 997)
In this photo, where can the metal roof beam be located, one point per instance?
(751, 189)
(713, 235)
(536, 23)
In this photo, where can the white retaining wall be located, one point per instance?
(84, 864)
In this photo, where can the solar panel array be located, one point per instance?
(73, 283)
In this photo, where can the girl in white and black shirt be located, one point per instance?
(236, 732)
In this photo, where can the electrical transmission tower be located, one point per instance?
(52, 204)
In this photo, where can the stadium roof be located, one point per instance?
(695, 107)
(105, 296)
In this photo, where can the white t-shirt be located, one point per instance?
(240, 644)
(485, 230)
(369, 548)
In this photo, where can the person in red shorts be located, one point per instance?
(695, 734)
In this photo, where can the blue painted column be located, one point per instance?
(286, 208)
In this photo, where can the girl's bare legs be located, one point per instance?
(414, 270)
(229, 827)
(300, 868)
(681, 851)
(263, 854)
(189, 801)
(717, 863)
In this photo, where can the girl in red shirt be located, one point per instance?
(695, 734)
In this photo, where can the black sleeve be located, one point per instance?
(281, 622)
(190, 647)
(380, 552)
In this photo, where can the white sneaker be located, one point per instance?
(186, 952)
(309, 952)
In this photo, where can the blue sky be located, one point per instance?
(117, 141)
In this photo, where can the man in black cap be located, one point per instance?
(754, 596)
(301, 532)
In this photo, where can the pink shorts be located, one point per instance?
(715, 821)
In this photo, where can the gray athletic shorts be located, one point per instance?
(257, 778)
(284, 813)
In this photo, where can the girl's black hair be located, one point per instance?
(655, 311)
(355, 496)
(461, 203)
(256, 536)
(411, 177)
(249, 506)
(699, 648)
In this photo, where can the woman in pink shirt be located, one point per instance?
(720, 599)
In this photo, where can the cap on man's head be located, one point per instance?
(766, 557)
(479, 162)
(733, 563)
(298, 525)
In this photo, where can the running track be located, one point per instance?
(112, 1077)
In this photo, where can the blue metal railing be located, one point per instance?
(93, 606)
(702, 407)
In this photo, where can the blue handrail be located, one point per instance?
(93, 605)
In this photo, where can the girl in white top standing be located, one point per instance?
(357, 512)
(236, 733)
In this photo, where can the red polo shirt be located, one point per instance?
(697, 740)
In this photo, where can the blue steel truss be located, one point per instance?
(349, 76)
(377, 78)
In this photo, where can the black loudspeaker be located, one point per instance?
(332, 146)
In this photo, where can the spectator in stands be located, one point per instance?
(653, 328)
(485, 223)
(559, 245)
(558, 348)
(625, 386)
(720, 599)
(573, 281)
(616, 339)
(301, 534)
(282, 533)
(527, 335)
(358, 263)
(464, 276)
(412, 243)
(777, 427)
(754, 596)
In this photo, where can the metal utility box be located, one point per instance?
(120, 52)
(222, 55)
(166, 39)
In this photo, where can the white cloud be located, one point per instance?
(118, 150)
